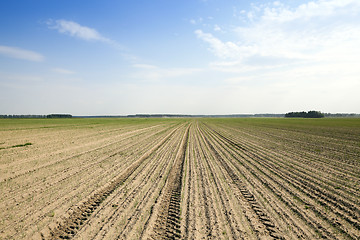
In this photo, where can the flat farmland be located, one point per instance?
(244, 178)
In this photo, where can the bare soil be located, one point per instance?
(179, 179)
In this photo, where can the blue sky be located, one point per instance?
(188, 57)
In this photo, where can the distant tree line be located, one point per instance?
(342, 115)
(59, 116)
(38, 116)
(202, 116)
(309, 114)
(23, 116)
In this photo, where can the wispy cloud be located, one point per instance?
(74, 29)
(196, 21)
(219, 48)
(275, 35)
(217, 28)
(282, 13)
(14, 52)
(62, 71)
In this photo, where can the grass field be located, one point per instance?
(243, 178)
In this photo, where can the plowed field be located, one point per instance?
(180, 179)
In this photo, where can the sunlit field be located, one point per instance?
(243, 178)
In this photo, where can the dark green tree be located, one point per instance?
(309, 114)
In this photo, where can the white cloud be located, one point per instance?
(76, 30)
(312, 9)
(217, 28)
(62, 71)
(196, 21)
(19, 53)
(277, 35)
(218, 47)
(297, 58)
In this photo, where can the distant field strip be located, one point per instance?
(180, 178)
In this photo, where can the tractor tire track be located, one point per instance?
(271, 230)
(312, 193)
(167, 225)
(80, 213)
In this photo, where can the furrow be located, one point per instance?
(135, 200)
(317, 213)
(270, 229)
(303, 185)
(77, 216)
(167, 225)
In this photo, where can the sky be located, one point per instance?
(179, 57)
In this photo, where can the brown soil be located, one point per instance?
(193, 179)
